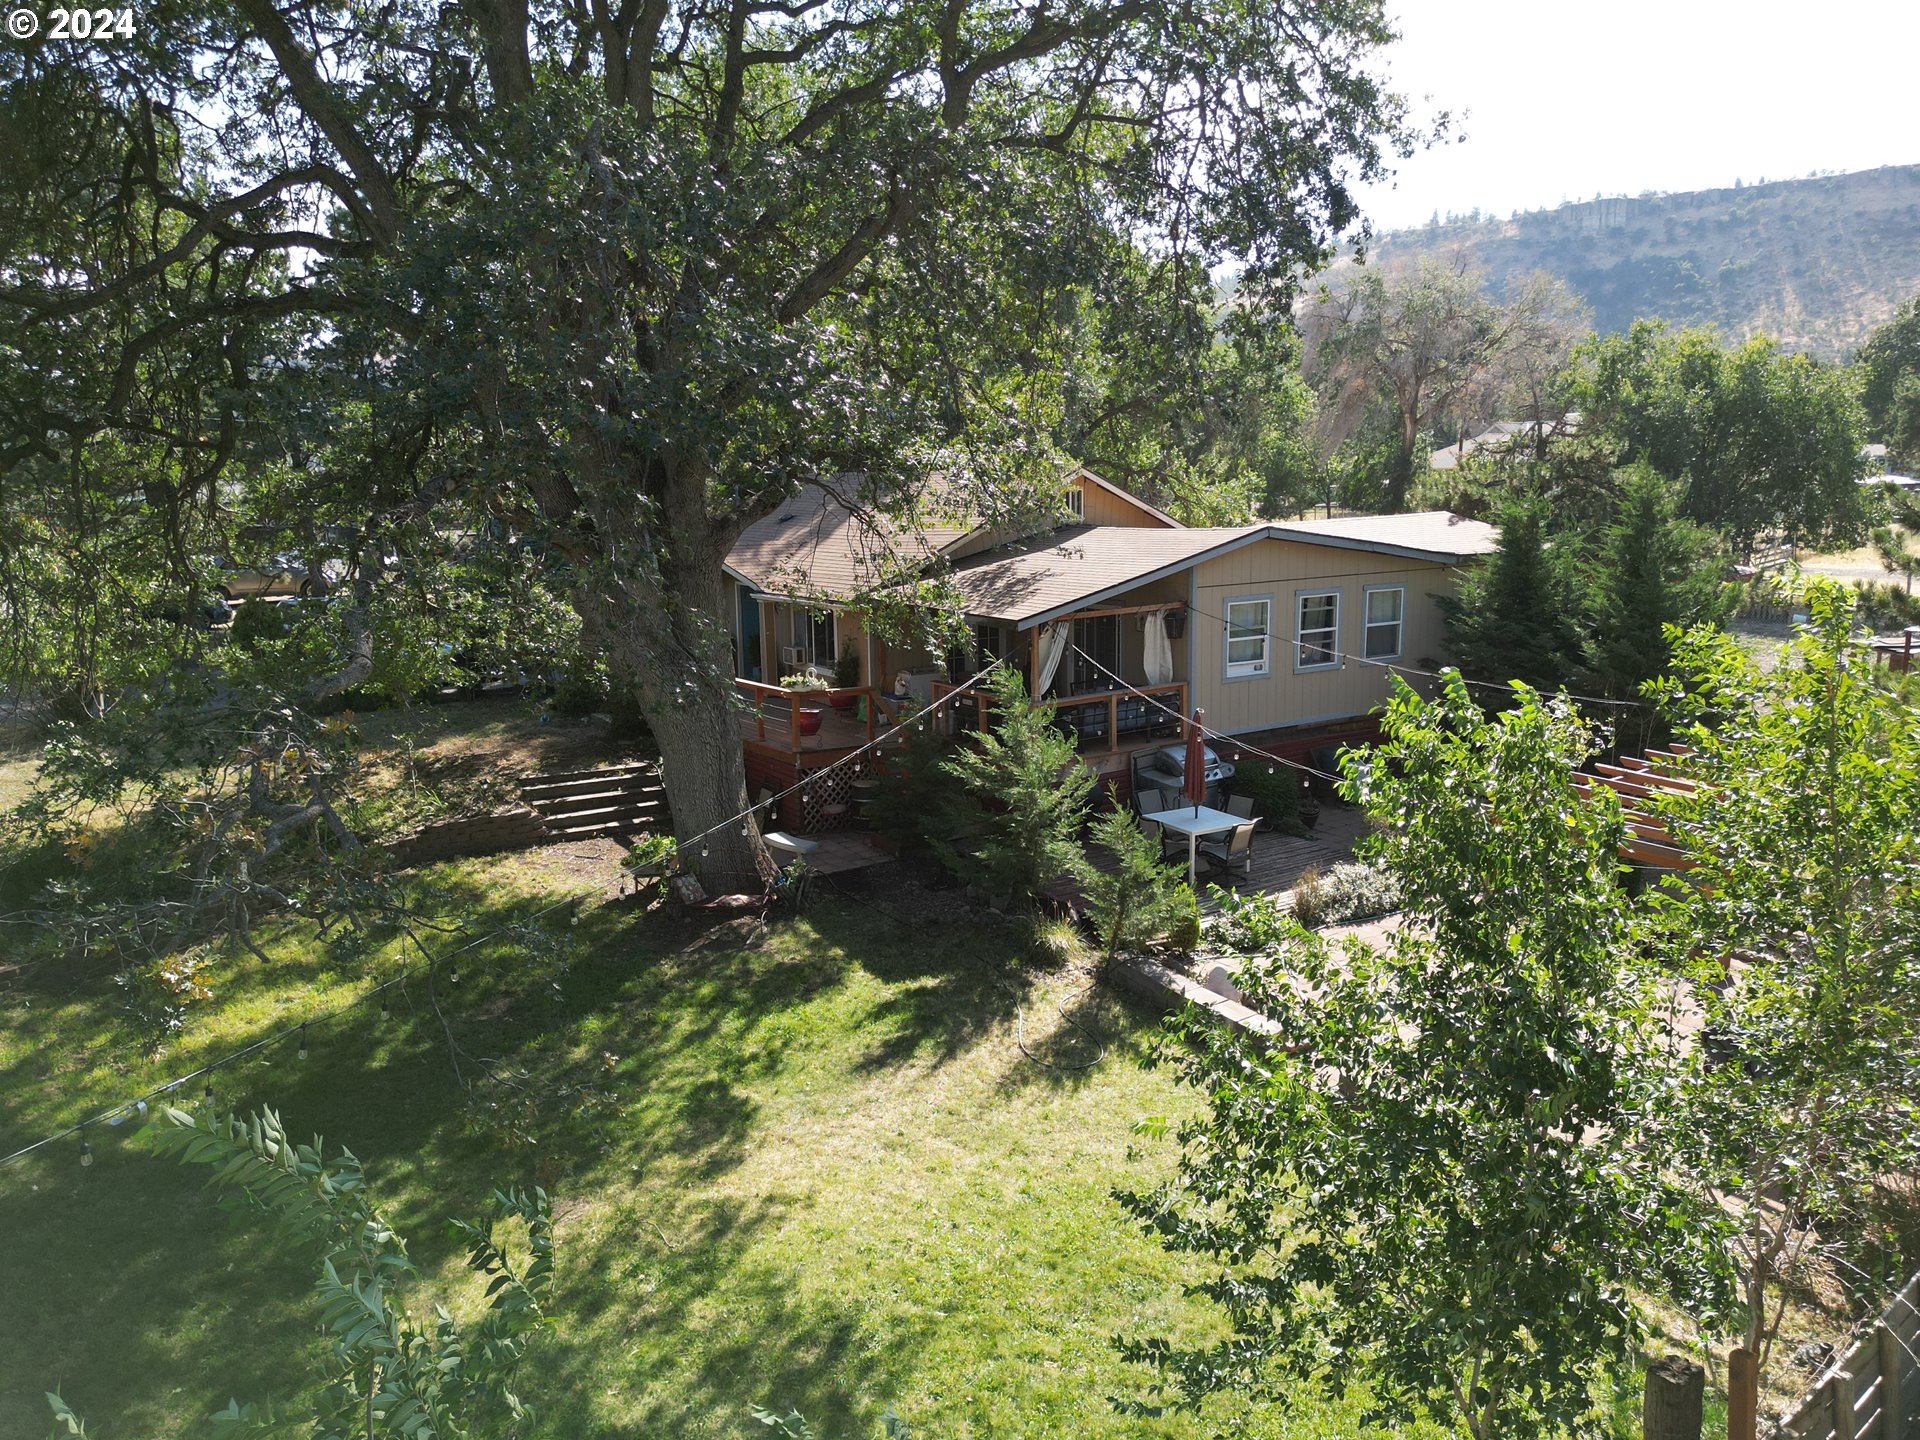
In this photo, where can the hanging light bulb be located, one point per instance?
(386, 1007)
(300, 1051)
(453, 976)
(207, 1093)
(705, 850)
(86, 1151)
(743, 827)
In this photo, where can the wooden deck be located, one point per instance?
(844, 850)
(840, 730)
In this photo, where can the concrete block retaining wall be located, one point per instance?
(515, 829)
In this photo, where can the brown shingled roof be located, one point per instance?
(821, 545)
(1081, 561)
(1077, 566)
(1425, 534)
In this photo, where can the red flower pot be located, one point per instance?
(809, 719)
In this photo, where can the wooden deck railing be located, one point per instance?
(1141, 711)
(793, 700)
(1872, 1392)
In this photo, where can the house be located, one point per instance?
(1503, 438)
(1121, 619)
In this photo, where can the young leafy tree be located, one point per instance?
(386, 1374)
(1446, 1179)
(624, 279)
(1131, 902)
(1761, 439)
(1028, 795)
(1799, 924)
(1517, 617)
(1894, 540)
(1889, 360)
(1650, 571)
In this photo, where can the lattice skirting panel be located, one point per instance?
(826, 802)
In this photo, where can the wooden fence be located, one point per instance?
(1872, 1392)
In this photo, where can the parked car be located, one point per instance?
(283, 575)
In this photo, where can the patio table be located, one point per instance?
(1193, 821)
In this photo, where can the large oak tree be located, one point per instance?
(624, 275)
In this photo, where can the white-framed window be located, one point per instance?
(1076, 502)
(1249, 637)
(1318, 630)
(813, 635)
(1386, 622)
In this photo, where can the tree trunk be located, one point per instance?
(665, 634)
(1400, 477)
(1676, 1388)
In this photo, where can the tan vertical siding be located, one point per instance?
(1100, 506)
(1282, 569)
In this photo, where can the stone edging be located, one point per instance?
(1168, 989)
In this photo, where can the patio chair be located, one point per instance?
(1241, 805)
(1235, 855)
(1151, 800)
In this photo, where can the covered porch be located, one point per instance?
(1115, 676)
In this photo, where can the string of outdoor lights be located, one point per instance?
(140, 1104)
(1205, 730)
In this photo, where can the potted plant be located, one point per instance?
(806, 718)
(846, 676)
(652, 857)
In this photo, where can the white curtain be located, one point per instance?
(1054, 640)
(1156, 651)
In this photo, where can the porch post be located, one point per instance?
(1033, 662)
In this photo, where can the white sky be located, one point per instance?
(1564, 100)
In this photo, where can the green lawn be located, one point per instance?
(812, 1172)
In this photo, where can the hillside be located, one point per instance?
(1816, 263)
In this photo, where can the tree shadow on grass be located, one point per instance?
(124, 1282)
(681, 1332)
(128, 1288)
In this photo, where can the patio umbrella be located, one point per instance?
(1196, 762)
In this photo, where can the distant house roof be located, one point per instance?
(1070, 569)
(1499, 437)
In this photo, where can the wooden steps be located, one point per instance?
(589, 804)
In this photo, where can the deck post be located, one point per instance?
(1033, 662)
(873, 703)
(1893, 1369)
(759, 716)
(1844, 1392)
(1113, 723)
